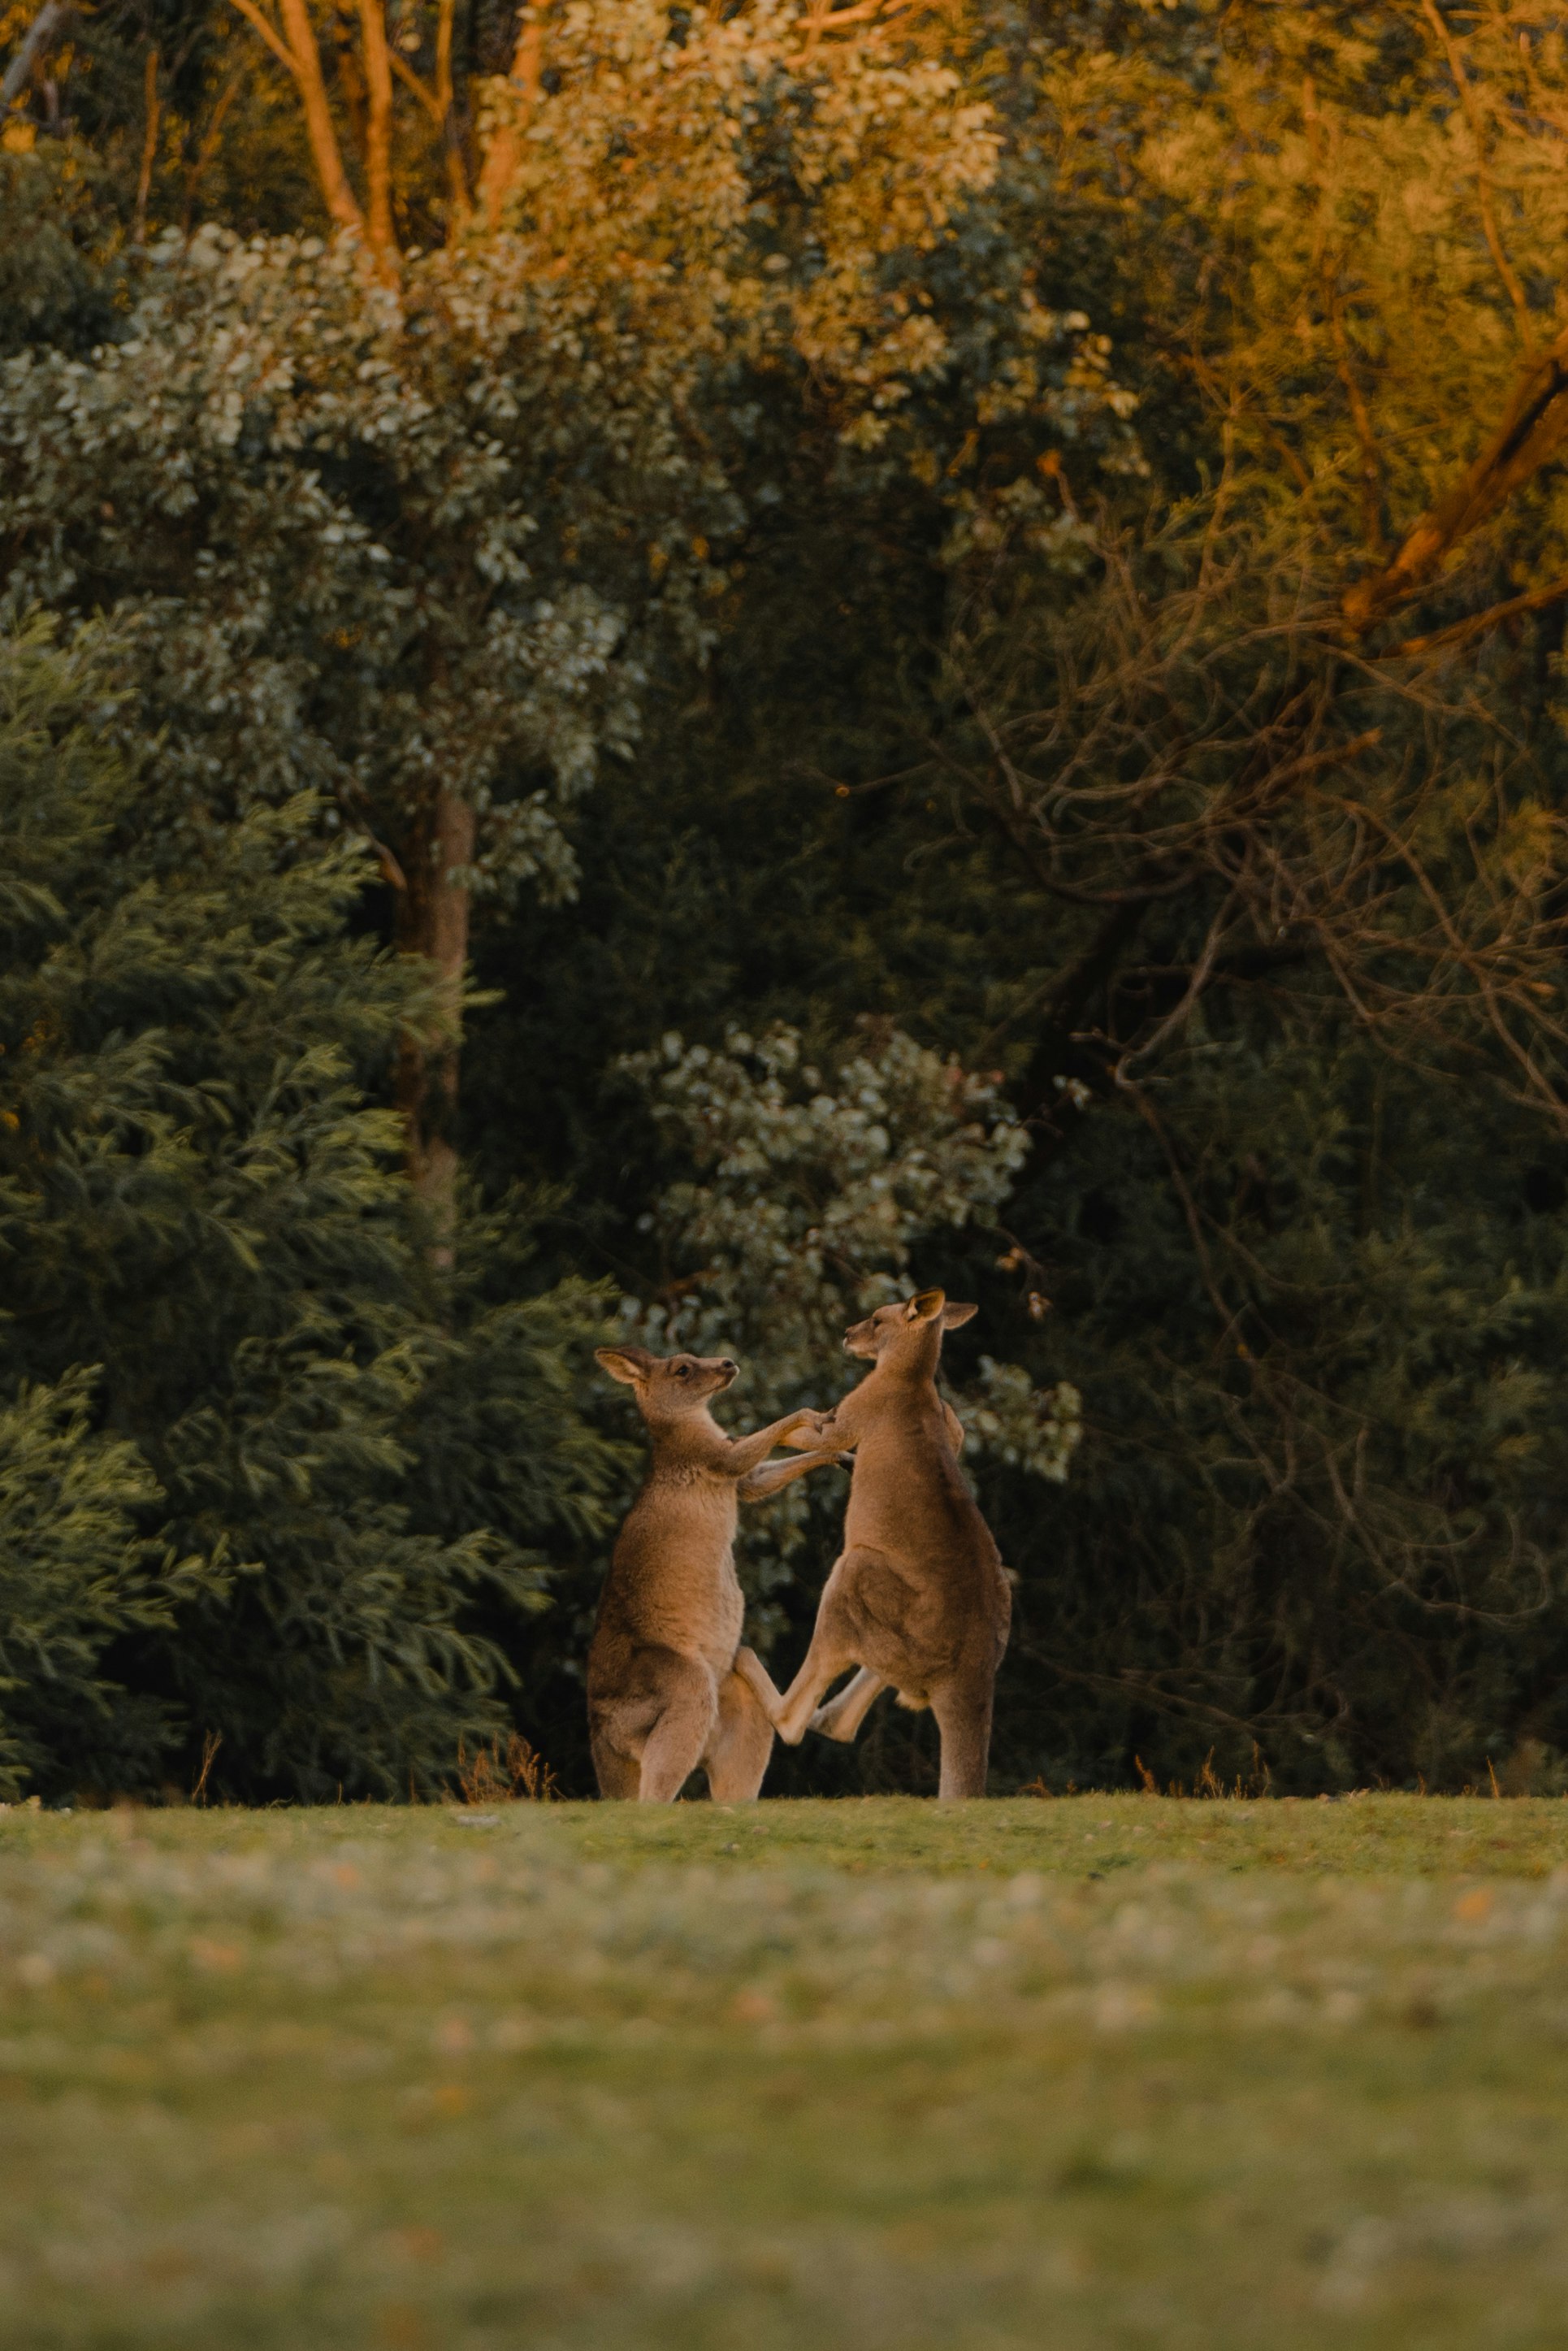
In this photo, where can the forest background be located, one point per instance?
(668, 668)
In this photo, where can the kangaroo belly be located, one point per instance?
(671, 1585)
(953, 1566)
(698, 1615)
(923, 1584)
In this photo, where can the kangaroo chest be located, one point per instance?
(907, 1499)
(675, 1566)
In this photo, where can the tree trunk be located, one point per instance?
(433, 917)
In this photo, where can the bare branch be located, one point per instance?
(504, 152)
(1462, 632)
(49, 22)
(1533, 428)
(1495, 245)
(378, 129)
(304, 63)
(211, 140)
(262, 24)
(420, 90)
(149, 147)
(1178, 1018)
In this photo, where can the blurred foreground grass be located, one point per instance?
(1098, 2071)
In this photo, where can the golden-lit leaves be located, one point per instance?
(1383, 212)
(746, 175)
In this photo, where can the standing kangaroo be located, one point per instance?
(663, 1695)
(918, 1597)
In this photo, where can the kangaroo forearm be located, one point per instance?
(759, 1483)
(747, 1451)
(834, 1436)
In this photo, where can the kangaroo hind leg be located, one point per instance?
(824, 1661)
(963, 1718)
(842, 1717)
(740, 1744)
(679, 1740)
(618, 1774)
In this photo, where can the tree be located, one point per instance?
(1007, 632)
(220, 1359)
(819, 1195)
(1303, 853)
(490, 450)
(1264, 932)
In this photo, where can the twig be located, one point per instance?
(149, 147)
(211, 1742)
(456, 162)
(421, 90)
(1495, 245)
(50, 19)
(1460, 632)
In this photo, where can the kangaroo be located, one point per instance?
(919, 1597)
(663, 1695)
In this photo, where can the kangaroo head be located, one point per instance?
(907, 1333)
(668, 1389)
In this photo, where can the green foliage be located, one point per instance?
(57, 286)
(1066, 867)
(821, 1195)
(416, 557)
(75, 1573)
(197, 1201)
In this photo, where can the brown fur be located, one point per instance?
(919, 1597)
(663, 1695)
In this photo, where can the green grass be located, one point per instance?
(1101, 2072)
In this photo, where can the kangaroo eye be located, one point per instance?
(683, 1370)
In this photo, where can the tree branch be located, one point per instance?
(503, 154)
(1361, 417)
(1071, 993)
(1533, 427)
(264, 26)
(456, 166)
(149, 148)
(1495, 245)
(50, 19)
(378, 131)
(305, 64)
(826, 18)
(204, 154)
(1460, 632)
(420, 90)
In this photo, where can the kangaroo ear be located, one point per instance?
(925, 1306)
(630, 1365)
(954, 1315)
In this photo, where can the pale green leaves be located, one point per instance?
(818, 1193)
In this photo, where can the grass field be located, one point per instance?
(1097, 2071)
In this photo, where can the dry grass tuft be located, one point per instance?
(514, 1774)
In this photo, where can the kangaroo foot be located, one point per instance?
(830, 1722)
(842, 1717)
